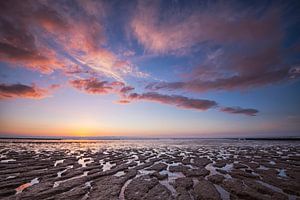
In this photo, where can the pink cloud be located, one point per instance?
(78, 33)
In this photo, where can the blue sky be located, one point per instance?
(150, 68)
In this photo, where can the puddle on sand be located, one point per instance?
(282, 173)
(169, 187)
(227, 167)
(58, 162)
(26, 185)
(276, 189)
(120, 173)
(57, 183)
(223, 193)
(263, 167)
(145, 172)
(272, 162)
(172, 176)
(10, 177)
(122, 193)
(63, 171)
(107, 165)
(8, 160)
(211, 169)
(84, 161)
(87, 185)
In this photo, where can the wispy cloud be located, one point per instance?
(247, 43)
(177, 30)
(46, 36)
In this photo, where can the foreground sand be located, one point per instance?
(162, 169)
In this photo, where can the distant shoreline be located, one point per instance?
(129, 138)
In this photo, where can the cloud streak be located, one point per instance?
(178, 30)
(185, 103)
(238, 110)
(176, 100)
(230, 83)
(46, 37)
(12, 91)
(96, 86)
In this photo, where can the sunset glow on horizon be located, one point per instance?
(149, 68)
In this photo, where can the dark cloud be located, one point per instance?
(238, 110)
(18, 39)
(176, 100)
(95, 86)
(126, 89)
(8, 91)
(185, 103)
(197, 23)
(231, 83)
(243, 48)
(92, 86)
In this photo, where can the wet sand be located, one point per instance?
(149, 169)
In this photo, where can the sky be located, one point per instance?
(166, 68)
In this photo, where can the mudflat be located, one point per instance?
(149, 169)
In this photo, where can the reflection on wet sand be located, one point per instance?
(149, 169)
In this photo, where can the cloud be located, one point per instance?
(11, 91)
(18, 41)
(177, 29)
(237, 68)
(92, 86)
(185, 103)
(46, 36)
(30, 59)
(230, 83)
(126, 89)
(238, 110)
(123, 101)
(176, 100)
(242, 47)
(96, 86)
(126, 94)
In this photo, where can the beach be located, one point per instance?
(183, 169)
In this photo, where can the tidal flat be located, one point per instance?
(166, 169)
